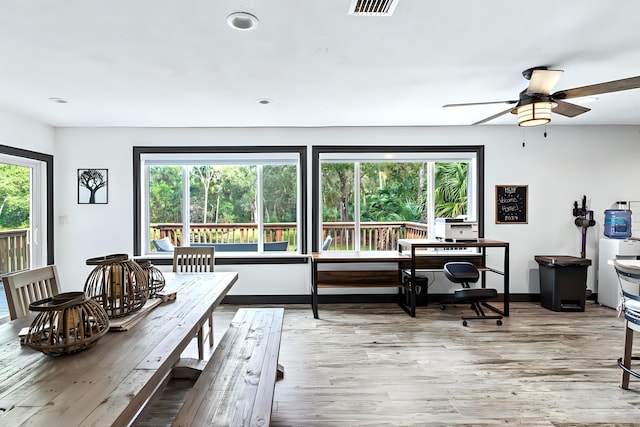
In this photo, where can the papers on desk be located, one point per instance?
(125, 323)
(23, 334)
(446, 251)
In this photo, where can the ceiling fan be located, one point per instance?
(536, 102)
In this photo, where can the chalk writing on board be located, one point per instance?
(511, 204)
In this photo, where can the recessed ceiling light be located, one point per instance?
(264, 101)
(58, 100)
(242, 21)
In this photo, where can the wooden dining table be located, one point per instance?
(108, 383)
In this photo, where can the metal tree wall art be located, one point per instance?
(93, 186)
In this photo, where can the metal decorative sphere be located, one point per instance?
(66, 323)
(118, 284)
(155, 279)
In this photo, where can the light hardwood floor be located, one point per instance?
(372, 365)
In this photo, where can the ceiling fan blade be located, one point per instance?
(480, 103)
(569, 110)
(599, 88)
(542, 81)
(495, 116)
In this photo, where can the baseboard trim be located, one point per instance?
(348, 298)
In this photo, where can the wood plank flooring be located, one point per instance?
(372, 365)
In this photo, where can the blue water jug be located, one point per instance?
(617, 223)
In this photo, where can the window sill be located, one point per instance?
(229, 258)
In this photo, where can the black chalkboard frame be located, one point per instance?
(520, 216)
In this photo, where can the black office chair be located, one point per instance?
(465, 273)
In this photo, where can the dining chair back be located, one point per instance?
(27, 286)
(196, 259)
(193, 259)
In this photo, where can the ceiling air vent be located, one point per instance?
(372, 7)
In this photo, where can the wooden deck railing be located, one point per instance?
(226, 233)
(15, 254)
(415, 230)
(373, 235)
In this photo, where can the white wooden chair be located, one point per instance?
(629, 279)
(27, 286)
(196, 259)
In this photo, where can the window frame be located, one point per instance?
(368, 152)
(41, 202)
(44, 204)
(139, 193)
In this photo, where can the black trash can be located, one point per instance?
(563, 282)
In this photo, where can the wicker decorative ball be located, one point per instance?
(155, 279)
(66, 323)
(118, 284)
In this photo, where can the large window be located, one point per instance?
(239, 200)
(368, 198)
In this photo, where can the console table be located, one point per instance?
(350, 279)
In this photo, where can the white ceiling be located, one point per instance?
(178, 63)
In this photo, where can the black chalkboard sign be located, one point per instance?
(511, 204)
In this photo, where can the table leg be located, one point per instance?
(626, 358)
(314, 289)
(506, 281)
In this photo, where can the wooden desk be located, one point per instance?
(108, 383)
(383, 279)
(437, 250)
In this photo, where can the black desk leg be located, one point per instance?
(314, 289)
(507, 291)
(410, 295)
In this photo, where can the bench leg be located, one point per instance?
(211, 330)
(279, 372)
(201, 344)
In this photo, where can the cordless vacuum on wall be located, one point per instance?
(584, 219)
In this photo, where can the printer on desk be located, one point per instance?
(456, 230)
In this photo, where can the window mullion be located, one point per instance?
(356, 206)
(260, 208)
(431, 199)
(186, 214)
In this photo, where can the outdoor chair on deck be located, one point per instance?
(327, 243)
(196, 259)
(465, 273)
(25, 287)
(629, 280)
(163, 245)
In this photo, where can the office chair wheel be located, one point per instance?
(499, 322)
(464, 323)
(442, 307)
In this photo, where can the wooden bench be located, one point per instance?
(237, 384)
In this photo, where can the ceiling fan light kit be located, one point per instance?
(534, 114)
(536, 102)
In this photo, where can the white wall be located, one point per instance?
(599, 162)
(21, 132)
